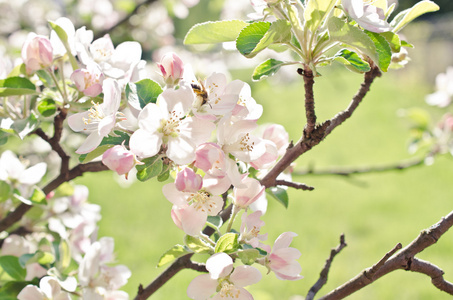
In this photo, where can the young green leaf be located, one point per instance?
(3, 135)
(393, 39)
(47, 107)
(352, 61)
(5, 190)
(107, 142)
(16, 86)
(25, 126)
(383, 49)
(227, 243)
(10, 264)
(152, 167)
(316, 12)
(266, 69)
(214, 32)
(279, 194)
(142, 92)
(408, 15)
(196, 245)
(250, 37)
(63, 36)
(85, 158)
(215, 220)
(172, 254)
(38, 196)
(248, 256)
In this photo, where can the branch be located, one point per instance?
(123, 20)
(325, 271)
(362, 170)
(404, 260)
(364, 89)
(320, 131)
(181, 263)
(296, 185)
(77, 171)
(307, 73)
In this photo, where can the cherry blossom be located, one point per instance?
(223, 280)
(100, 120)
(166, 124)
(89, 80)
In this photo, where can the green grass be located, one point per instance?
(375, 211)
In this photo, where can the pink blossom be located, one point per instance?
(211, 159)
(100, 120)
(250, 229)
(188, 181)
(222, 279)
(277, 134)
(172, 68)
(119, 159)
(37, 52)
(282, 259)
(89, 80)
(244, 196)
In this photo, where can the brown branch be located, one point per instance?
(123, 20)
(325, 271)
(320, 131)
(364, 89)
(309, 100)
(181, 263)
(403, 260)
(296, 185)
(77, 171)
(433, 271)
(362, 170)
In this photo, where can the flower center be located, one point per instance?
(202, 201)
(245, 144)
(228, 290)
(170, 127)
(94, 116)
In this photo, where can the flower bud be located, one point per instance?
(188, 181)
(172, 68)
(89, 80)
(37, 52)
(119, 159)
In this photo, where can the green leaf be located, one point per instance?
(261, 251)
(64, 190)
(24, 258)
(38, 196)
(279, 194)
(249, 256)
(250, 37)
(45, 258)
(64, 251)
(406, 44)
(5, 191)
(196, 245)
(152, 167)
(227, 243)
(47, 107)
(175, 252)
(63, 36)
(316, 11)
(165, 174)
(16, 86)
(214, 32)
(107, 142)
(393, 39)
(44, 77)
(352, 36)
(266, 69)
(279, 32)
(85, 158)
(3, 136)
(216, 221)
(11, 289)
(25, 126)
(142, 92)
(10, 264)
(408, 15)
(383, 49)
(351, 60)
(18, 70)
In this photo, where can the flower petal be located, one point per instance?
(245, 275)
(201, 287)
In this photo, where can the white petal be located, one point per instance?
(245, 275)
(11, 165)
(150, 117)
(219, 265)
(91, 142)
(76, 121)
(284, 240)
(31, 292)
(193, 220)
(112, 96)
(181, 151)
(201, 287)
(144, 144)
(33, 174)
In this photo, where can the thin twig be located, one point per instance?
(403, 260)
(325, 271)
(296, 185)
(123, 20)
(77, 171)
(309, 100)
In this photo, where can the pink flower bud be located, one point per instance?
(37, 52)
(89, 80)
(188, 181)
(119, 159)
(252, 190)
(171, 67)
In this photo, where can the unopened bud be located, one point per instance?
(37, 52)
(119, 159)
(188, 181)
(172, 68)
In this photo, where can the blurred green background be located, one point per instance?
(375, 211)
